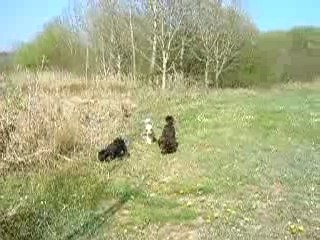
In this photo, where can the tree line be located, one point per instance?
(163, 42)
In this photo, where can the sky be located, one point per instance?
(21, 20)
(283, 14)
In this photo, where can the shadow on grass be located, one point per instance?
(24, 224)
(32, 220)
(96, 220)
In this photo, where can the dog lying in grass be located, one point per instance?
(167, 142)
(117, 149)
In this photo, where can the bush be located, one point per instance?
(67, 138)
(52, 49)
(6, 63)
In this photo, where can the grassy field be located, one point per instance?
(247, 167)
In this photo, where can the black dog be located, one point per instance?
(117, 149)
(167, 142)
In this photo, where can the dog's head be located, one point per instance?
(169, 119)
(122, 141)
(147, 121)
(148, 126)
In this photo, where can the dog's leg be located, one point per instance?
(149, 140)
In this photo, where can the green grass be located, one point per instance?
(248, 165)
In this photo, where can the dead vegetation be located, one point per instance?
(63, 119)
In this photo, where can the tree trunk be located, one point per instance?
(154, 40)
(87, 64)
(206, 74)
(154, 53)
(182, 56)
(164, 68)
(112, 54)
(104, 62)
(217, 79)
(133, 48)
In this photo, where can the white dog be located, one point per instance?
(148, 134)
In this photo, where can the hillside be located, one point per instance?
(247, 165)
(5, 60)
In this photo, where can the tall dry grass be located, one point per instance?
(61, 117)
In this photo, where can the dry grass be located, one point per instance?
(58, 114)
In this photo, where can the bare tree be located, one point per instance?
(155, 18)
(134, 70)
(171, 16)
(165, 18)
(222, 34)
(111, 33)
(122, 35)
(187, 31)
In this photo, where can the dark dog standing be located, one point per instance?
(117, 149)
(167, 142)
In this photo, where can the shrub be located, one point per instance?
(67, 138)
